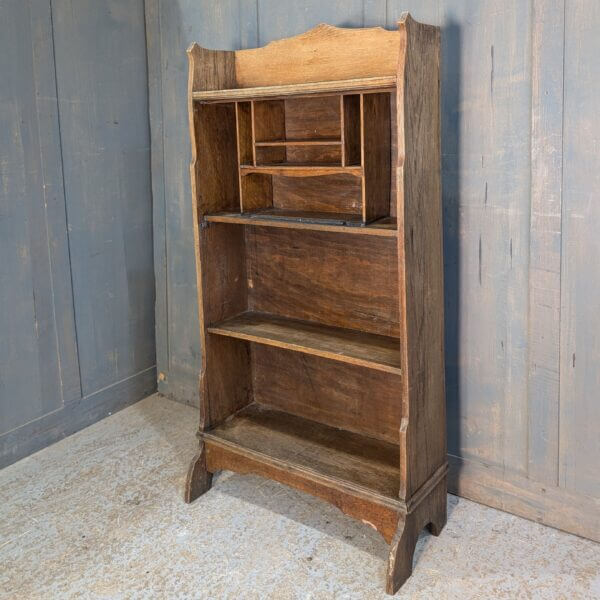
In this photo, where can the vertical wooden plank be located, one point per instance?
(157, 169)
(580, 288)
(29, 366)
(422, 433)
(545, 238)
(54, 199)
(486, 94)
(103, 103)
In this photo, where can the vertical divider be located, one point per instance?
(244, 142)
(238, 141)
(253, 129)
(375, 154)
(343, 128)
(362, 158)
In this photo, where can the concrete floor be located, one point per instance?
(100, 515)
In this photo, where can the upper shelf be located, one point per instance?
(365, 84)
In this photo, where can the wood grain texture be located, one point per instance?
(312, 118)
(382, 517)
(293, 170)
(579, 441)
(353, 347)
(308, 220)
(318, 55)
(376, 155)
(486, 118)
(304, 89)
(422, 435)
(216, 177)
(338, 193)
(76, 279)
(545, 241)
(106, 165)
(222, 284)
(328, 392)
(30, 370)
(299, 274)
(352, 122)
(554, 506)
(353, 460)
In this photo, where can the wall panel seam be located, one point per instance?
(62, 174)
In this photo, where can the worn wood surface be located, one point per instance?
(329, 392)
(490, 145)
(325, 277)
(336, 194)
(323, 297)
(379, 513)
(353, 347)
(76, 273)
(375, 155)
(308, 220)
(281, 91)
(423, 432)
(356, 460)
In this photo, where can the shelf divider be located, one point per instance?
(294, 170)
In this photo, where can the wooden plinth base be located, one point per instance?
(429, 511)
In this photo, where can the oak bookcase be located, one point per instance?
(317, 222)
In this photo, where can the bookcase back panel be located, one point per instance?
(217, 180)
(313, 118)
(228, 379)
(346, 396)
(324, 53)
(269, 120)
(329, 278)
(224, 292)
(329, 154)
(327, 193)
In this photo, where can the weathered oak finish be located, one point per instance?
(323, 351)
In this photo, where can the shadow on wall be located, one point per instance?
(450, 101)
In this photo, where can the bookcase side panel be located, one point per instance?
(225, 380)
(423, 431)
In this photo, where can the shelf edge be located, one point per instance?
(359, 362)
(384, 84)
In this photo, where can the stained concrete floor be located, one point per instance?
(100, 515)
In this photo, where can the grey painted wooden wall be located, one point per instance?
(521, 182)
(76, 259)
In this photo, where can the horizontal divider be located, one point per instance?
(315, 142)
(376, 84)
(290, 219)
(369, 350)
(293, 170)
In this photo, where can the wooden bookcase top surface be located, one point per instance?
(365, 84)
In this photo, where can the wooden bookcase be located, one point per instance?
(317, 221)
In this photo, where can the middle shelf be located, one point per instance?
(344, 345)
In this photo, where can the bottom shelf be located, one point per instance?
(323, 455)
